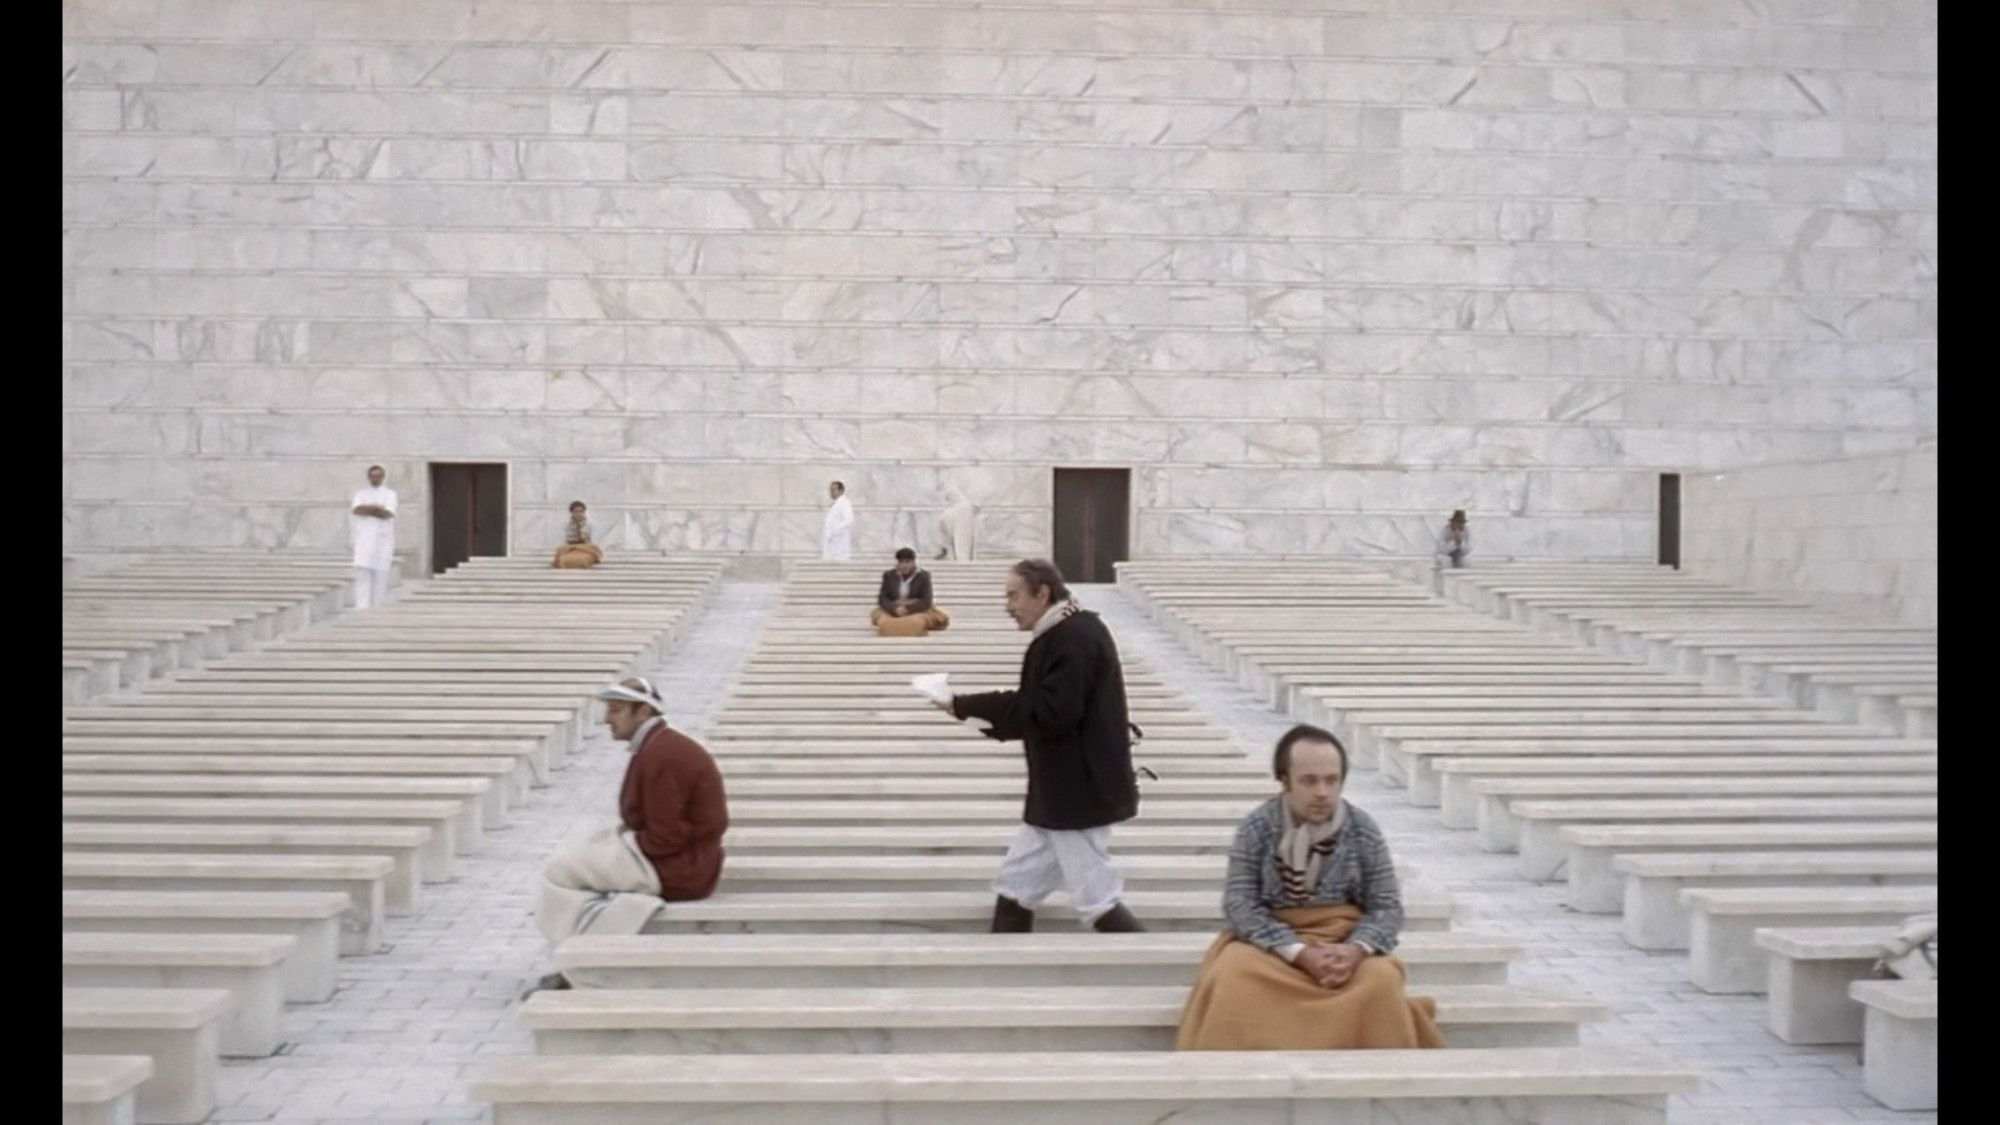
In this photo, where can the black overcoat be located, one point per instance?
(1069, 714)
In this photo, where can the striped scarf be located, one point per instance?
(1302, 850)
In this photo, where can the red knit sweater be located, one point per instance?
(672, 797)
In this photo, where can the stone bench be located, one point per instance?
(963, 912)
(1543, 851)
(479, 798)
(359, 877)
(1412, 762)
(1596, 886)
(1341, 707)
(510, 778)
(1722, 953)
(446, 819)
(121, 667)
(1899, 1052)
(932, 959)
(1380, 743)
(1605, 1086)
(403, 845)
(555, 741)
(1456, 775)
(1810, 969)
(1491, 799)
(102, 1089)
(833, 1020)
(561, 729)
(1655, 918)
(313, 918)
(1920, 715)
(177, 1028)
(532, 755)
(247, 966)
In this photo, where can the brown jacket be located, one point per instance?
(673, 799)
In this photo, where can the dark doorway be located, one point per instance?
(1093, 522)
(1670, 520)
(468, 513)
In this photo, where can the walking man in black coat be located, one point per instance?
(1069, 714)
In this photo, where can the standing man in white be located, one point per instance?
(372, 527)
(955, 526)
(836, 539)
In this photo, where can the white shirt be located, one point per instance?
(836, 539)
(374, 538)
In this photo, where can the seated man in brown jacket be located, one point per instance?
(666, 845)
(903, 606)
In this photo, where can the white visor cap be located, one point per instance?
(639, 690)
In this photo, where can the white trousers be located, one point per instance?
(371, 587)
(1042, 861)
(597, 882)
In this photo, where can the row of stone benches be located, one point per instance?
(229, 833)
(1624, 807)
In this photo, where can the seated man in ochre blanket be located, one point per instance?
(1313, 911)
(903, 606)
(577, 551)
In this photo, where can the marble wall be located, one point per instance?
(1858, 534)
(1317, 273)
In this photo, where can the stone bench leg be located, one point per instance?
(1899, 1061)
(1809, 1001)
(182, 1088)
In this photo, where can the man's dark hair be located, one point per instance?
(575, 504)
(904, 554)
(841, 485)
(1281, 758)
(378, 469)
(1041, 574)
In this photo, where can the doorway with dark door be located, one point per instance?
(1670, 520)
(468, 512)
(1093, 522)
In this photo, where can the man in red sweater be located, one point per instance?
(667, 845)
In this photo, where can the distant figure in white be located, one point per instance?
(955, 526)
(372, 528)
(836, 539)
(1455, 543)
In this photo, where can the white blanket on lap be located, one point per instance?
(598, 882)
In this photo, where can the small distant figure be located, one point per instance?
(371, 527)
(578, 551)
(1456, 542)
(955, 526)
(1313, 912)
(665, 846)
(904, 606)
(836, 538)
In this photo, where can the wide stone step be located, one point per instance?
(250, 967)
(744, 765)
(988, 840)
(1245, 784)
(775, 811)
(1604, 1086)
(800, 873)
(961, 912)
(926, 960)
(177, 1028)
(830, 1020)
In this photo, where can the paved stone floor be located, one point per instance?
(397, 1040)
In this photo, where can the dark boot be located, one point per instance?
(1117, 920)
(1010, 917)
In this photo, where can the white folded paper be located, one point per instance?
(936, 687)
